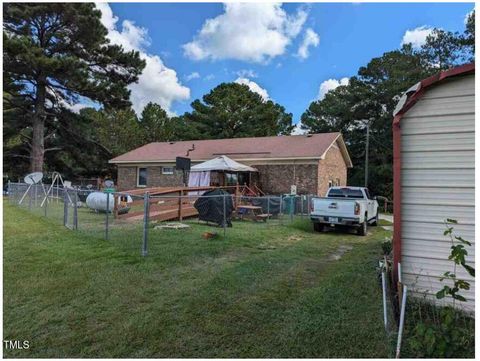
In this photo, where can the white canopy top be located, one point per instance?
(222, 163)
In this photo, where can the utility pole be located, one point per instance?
(366, 154)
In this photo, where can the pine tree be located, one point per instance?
(232, 110)
(56, 53)
(156, 125)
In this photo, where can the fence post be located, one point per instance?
(268, 207)
(106, 216)
(292, 207)
(224, 216)
(146, 214)
(302, 199)
(75, 211)
(30, 199)
(65, 208)
(45, 209)
(280, 214)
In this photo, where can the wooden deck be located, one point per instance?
(169, 206)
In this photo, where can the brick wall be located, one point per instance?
(277, 178)
(155, 178)
(127, 177)
(331, 168)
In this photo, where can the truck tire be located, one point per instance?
(317, 227)
(362, 230)
(375, 221)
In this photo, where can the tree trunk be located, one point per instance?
(38, 146)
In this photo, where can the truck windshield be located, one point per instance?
(345, 193)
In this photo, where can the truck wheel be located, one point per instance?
(362, 230)
(375, 221)
(317, 227)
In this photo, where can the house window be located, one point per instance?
(167, 170)
(330, 184)
(141, 177)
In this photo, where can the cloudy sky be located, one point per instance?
(290, 53)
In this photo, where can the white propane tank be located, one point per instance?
(98, 201)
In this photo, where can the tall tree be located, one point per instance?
(55, 53)
(371, 97)
(442, 49)
(157, 126)
(117, 131)
(467, 40)
(232, 110)
(445, 49)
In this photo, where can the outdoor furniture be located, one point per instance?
(251, 212)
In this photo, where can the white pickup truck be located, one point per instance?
(345, 206)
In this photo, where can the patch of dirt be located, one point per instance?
(341, 250)
(281, 242)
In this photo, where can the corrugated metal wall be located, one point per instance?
(438, 182)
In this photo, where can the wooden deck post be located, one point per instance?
(237, 192)
(180, 201)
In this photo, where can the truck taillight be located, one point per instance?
(357, 208)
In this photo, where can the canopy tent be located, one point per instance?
(222, 163)
(200, 173)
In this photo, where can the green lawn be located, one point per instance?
(266, 290)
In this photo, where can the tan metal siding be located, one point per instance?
(438, 182)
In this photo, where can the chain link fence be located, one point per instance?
(143, 223)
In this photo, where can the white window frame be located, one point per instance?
(138, 177)
(168, 172)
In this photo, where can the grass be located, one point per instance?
(384, 222)
(266, 290)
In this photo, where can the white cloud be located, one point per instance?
(194, 75)
(77, 107)
(254, 87)
(310, 38)
(209, 77)
(247, 73)
(417, 37)
(254, 32)
(330, 84)
(297, 130)
(157, 83)
(467, 15)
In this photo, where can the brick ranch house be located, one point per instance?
(311, 162)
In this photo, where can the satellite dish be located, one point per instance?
(33, 178)
(109, 183)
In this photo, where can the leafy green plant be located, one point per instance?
(457, 256)
(387, 246)
(445, 332)
(443, 338)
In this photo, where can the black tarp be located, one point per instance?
(210, 207)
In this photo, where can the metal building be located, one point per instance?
(434, 179)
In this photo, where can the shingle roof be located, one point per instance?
(277, 147)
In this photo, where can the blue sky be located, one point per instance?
(259, 45)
